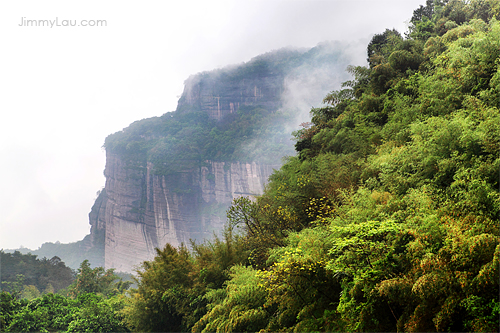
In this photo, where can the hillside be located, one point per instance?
(387, 219)
(72, 254)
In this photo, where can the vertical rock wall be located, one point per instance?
(219, 97)
(141, 211)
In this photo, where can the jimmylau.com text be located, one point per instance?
(61, 23)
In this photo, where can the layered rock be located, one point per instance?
(140, 211)
(219, 95)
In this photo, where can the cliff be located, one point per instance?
(170, 179)
(140, 211)
(219, 95)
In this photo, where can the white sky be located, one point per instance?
(64, 89)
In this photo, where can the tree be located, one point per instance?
(238, 306)
(9, 306)
(381, 46)
(96, 314)
(15, 287)
(51, 312)
(36, 272)
(162, 298)
(96, 280)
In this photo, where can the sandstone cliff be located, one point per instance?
(140, 211)
(219, 95)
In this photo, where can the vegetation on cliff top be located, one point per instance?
(182, 141)
(186, 138)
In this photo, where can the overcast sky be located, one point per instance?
(63, 89)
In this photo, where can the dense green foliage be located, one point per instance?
(170, 289)
(388, 217)
(54, 312)
(20, 270)
(94, 304)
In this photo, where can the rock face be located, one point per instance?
(140, 211)
(220, 95)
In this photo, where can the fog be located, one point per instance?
(65, 88)
(306, 86)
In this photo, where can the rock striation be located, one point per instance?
(139, 211)
(219, 95)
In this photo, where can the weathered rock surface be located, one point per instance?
(219, 96)
(140, 211)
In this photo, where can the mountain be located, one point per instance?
(385, 220)
(170, 179)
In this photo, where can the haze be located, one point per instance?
(64, 89)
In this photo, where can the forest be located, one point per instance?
(386, 219)
(44, 295)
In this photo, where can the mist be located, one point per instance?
(306, 86)
(66, 88)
